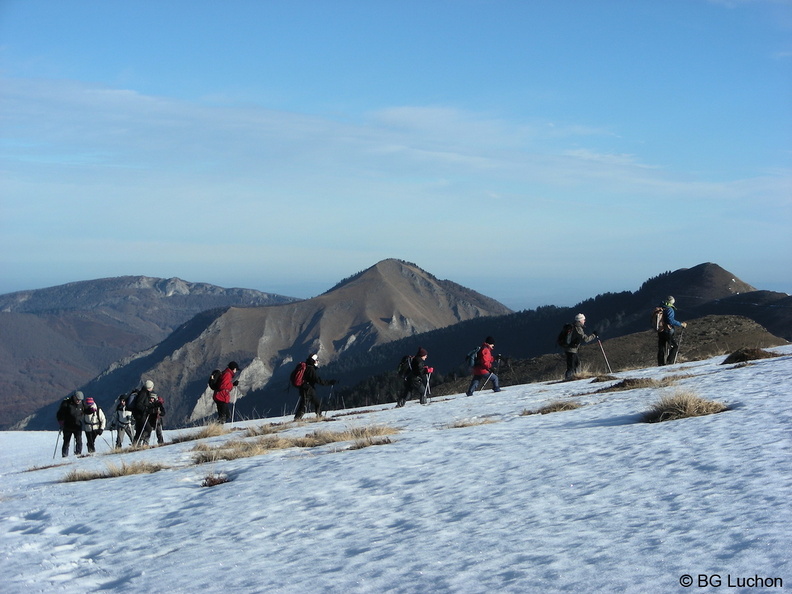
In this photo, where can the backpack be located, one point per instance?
(470, 358)
(657, 319)
(297, 376)
(405, 366)
(566, 336)
(131, 400)
(214, 380)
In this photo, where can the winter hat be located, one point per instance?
(670, 300)
(78, 395)
(489, 340)
(149, 385)
(313, 360)
(89, 403)
(421, 352)
(580, 318)
(233, 365)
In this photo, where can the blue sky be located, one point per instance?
(538, 152)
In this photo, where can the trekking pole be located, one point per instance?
(57, 439)
(233, 406)
(485, 381)
(105, 440)
(427, 390)
(604, 355)
(676, 352)
(137, 442)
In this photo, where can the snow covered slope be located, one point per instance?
(587, 500)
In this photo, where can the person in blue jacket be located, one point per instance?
(667, 341)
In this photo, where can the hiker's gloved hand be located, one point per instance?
(236, 382)
(430, 370)
(99, 432)
(684, 324)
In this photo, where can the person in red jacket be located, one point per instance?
(222, 396)
(483, 370)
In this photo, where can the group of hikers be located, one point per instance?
(142, 409)
(147, 409)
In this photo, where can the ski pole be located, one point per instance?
(485, 381)
(142, 430)
(57, 439)
(605, 356)
(233, 406)
(676, 352)
(427, 390)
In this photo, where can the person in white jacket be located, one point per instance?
(122, 422)
(93, 423)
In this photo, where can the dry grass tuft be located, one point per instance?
(232, 450)
(748, 354)
(210, 430)
(267, 429)
(113, 471)
(603, 378)
(682, 405)
(636, 383)
(557, 406)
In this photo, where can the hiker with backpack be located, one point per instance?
(154, 411)
(484, 368)
(93, 423)
(122, 422)
(69, 416)
(137, 403)
(305, 378)
(222, 393)
(415, 374)
(667, 341)
(571, 338)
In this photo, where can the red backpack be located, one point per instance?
(298, 375)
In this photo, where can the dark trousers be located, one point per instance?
(667, 347)
(307, 392)
(223, 414)
(483, 379)
(67, 435)
(573, 364)
(412, 385)
(90, 439)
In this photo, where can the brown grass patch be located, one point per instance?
(557, 406)
(210, 430)
(213, 480)
(641, 382)
(748, 354)
(682, 405)
(113, 471)
(232, 450)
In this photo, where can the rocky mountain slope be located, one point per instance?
(388, 301)
(59, 338)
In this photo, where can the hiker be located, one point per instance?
(578, 337)
(122, 421)
(93, 423)
(222, 396)
(138, 405)
(154, 409)
(667, 342)
(308, 388)
(416, 380)
(69, 417)
(483, 370)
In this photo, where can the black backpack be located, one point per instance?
(566, 336)
(657, 319)
(404, 368)
(214, 380)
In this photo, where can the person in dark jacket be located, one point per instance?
(222, 396)
(69, 417)
(138, 407)
(667, 341)
(154, 410)
(308, 388)
(579, 337)
(417, 379)
(484, 369)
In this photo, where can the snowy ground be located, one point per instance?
(588, 500)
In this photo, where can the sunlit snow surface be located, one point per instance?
(588, 500)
